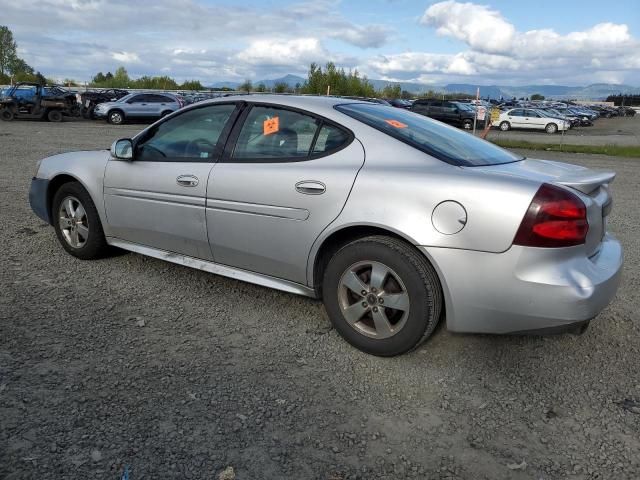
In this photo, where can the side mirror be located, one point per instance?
(122, 149)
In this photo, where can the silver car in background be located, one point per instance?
(393, 219)
(139, 106)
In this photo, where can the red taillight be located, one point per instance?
(555, 218)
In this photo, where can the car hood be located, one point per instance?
(110, 104)
(583, 179)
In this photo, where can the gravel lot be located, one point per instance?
(176, 373)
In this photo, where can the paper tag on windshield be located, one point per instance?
(270, 126)
(396, 124)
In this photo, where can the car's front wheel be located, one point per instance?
(551, 128)
(115, 117)
(6, 115)
(77, 222)
(382, 295)
(505, 126)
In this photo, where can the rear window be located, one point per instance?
(434, 138)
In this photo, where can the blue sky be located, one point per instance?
(433, 42)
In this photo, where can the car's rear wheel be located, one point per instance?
(382, 295)
(551, 128)
(77, 223)
(505, 126)
(54, 115)
(467, 124)
(165, 113)
(115, 117)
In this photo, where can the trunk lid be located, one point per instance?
(592, 185)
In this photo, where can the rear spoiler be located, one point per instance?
(586, 182)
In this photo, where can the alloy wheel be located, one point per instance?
(373, 299)
(73, 222)
(116, 118)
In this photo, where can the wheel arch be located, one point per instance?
(330, 242)
(54, 185)
(116, 109)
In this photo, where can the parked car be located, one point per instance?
(526, 118)
(453, 113)
(398, 103)
(138, 105)
(390, 217)
(573, 120)
(27, 100)
(90, 99)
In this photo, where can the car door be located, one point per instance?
(449, 113)
(435, 110)
(136, 105)
(516, 118)
(158, 198)
(284, 177)
(534, 119)
(159, 104)
(421, 107)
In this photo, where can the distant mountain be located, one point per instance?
(290, 80)
(597, 91)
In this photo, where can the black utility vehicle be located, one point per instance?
(454, 113)
(35, 101)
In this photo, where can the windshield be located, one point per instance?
(434, 138)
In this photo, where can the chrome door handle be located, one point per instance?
(187, 180)
(311, 187)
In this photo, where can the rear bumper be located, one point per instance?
(526, 289)
(38, 198)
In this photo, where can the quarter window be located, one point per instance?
(330, 138)
(193, 135)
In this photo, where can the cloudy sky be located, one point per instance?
(508, 42)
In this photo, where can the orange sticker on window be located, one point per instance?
(270, 126)
(396, 123)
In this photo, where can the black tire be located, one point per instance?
(54, 116)
(95, 245)
(115, 117)
(551, 128)
(467, 124)
(505, 126)
(165, 113)
(417, 276)
(6, 115)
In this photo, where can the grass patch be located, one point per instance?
(613, 150)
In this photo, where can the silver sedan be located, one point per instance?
(395, 220)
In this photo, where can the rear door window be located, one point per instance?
(275, 133)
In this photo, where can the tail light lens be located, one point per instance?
(555, 218)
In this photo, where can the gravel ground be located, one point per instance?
(130, 362)
(624, 131)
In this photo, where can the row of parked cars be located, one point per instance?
(549, 117)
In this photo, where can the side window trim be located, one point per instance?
(220, 145)
(227, 155)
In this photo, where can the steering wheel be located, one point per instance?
(195, 147)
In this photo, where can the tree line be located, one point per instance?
(121, 79)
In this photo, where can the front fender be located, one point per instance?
(85, 167)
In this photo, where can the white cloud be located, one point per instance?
(282, 52)
(498, 52)
(477, 25)
(126, 57)
(195, 39)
